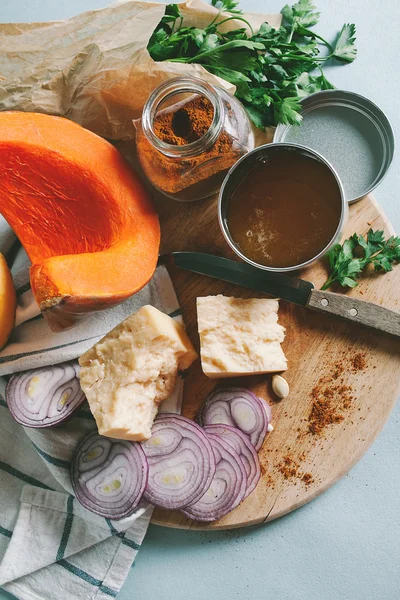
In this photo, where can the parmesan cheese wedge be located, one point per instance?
(239, 337)
(131, 370)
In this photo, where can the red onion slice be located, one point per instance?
(181, 462)
(239, 408)
(109, 476)
(227, 488)
(45, 397)
(268, 410)
(244, 448)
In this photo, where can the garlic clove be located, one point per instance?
(280, 386)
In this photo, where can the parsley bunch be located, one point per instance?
(272, 69)
(347, 261)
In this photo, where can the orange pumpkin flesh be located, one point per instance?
(8, 302)
(84, 219)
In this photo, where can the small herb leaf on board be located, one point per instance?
(346, 265)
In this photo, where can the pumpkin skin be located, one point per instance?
(83, 217)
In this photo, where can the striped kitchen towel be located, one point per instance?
(50, 546)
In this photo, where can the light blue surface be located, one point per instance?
(346, 544)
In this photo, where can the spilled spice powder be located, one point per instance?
(307, 478)
(331, 398)
(329, 402)
(339, 368)
(358, 362)
(290, 468)
(270, 481)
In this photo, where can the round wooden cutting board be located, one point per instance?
(361, 366)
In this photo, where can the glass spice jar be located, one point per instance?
(187, 148)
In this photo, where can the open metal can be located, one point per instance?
(239, 175)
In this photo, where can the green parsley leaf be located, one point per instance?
(259, 116)
(345, 261)
(277, 73)
(348, 282)
(209, 42)
(310, 84)
(362, 243)
(242, 60)
(300, 14)
(353, 267)
(287, 13)
(349, 246)
(227, 6)
(333, 255)
(382, 263)
(393, 247)
(304, 13)
(216, 53)
(266, 30)
(375, 237)
(288, 111)
(345, 50)
(198, 36)
(172, 13)
(235, 77)
(272, 69)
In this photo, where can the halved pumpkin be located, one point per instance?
(82, 215)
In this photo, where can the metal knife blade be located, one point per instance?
(289, 288)
(278, 285)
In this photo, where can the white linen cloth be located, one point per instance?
(50, 546)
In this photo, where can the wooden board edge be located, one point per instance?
(380, 210)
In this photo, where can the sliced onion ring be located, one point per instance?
(181, 462)
(239, 408)
(109, 476)
(227, 488)
(45, 397)
(244, 448)
(268, 410)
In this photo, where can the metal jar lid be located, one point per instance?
(351, 132)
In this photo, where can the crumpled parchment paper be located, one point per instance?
(94, 68)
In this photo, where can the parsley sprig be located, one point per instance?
(348, 260)
(272, 69)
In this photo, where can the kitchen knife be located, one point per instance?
(289, 288)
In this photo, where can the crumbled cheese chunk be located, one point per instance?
(131, 370)
(239, 337)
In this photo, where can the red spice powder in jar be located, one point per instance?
(203, 141)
